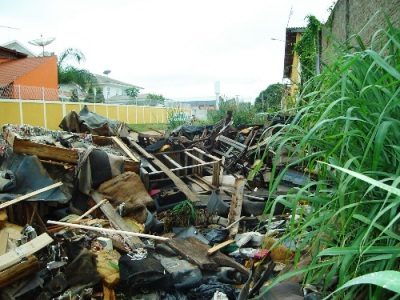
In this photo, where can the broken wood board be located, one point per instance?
(205, 187)
(3, 241)
(235, 210)
(195, 251)
(46, 152)
(125, 149)
(34, 193)
(219, 246)
(16, 255)
(176, 180)
(21, 270)
(117, 221)
(213, 187)
(53, 154)
(109, 230)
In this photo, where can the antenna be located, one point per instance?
(290, 14)
(106, 72)
(42, 42)
(9, 27)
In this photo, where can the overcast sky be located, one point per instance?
(177, 48)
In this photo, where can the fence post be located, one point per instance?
(127, 114)
(21, 112)
(44, 110)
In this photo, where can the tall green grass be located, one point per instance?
(348, 128)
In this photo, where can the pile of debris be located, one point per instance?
(98, 211)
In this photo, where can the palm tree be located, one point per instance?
(69, 74)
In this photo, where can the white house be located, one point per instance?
(114, 90)
(19, 47)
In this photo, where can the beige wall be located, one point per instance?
(49, 114)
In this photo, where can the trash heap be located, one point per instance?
(98, 211)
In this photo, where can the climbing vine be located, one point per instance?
(307, 49)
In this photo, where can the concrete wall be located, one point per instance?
(49, 114)
(363, 17)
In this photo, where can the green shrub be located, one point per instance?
(347, 127)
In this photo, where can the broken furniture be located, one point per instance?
(182, 163)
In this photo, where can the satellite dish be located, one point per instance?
(106, 72)
(42, 42)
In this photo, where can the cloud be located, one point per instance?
(177, 48)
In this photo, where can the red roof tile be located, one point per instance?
(13, 69)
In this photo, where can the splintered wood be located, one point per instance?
(236, 206)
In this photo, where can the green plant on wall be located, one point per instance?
(308, 50)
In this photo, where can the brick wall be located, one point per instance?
(358, 17)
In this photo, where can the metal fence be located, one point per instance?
(49, 114)
(24, 92)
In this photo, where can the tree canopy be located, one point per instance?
(132, 92)
(70, 74)
(270, 98)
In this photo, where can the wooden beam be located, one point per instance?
(117, 221)
(47, 152)
(140, 149)
(34, 193)
(173, 162)
(176, 180)
(236, 206)
(3, 241)
(213, 187)
(125, 148)
(219, 246)
(21, 270)
(16, 255)
(200, 184)
(112, 231)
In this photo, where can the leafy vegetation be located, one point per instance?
(132, 92)
(70, 74)
(347, 133)
(242, 113)
(270, 98)
(149, 126)
(308, 50)
(99, 97)
(90, 95)
(155, 99)
(176, 117)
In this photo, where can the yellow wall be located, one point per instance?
(49, 114)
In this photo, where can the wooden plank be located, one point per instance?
(21, 270)
(34, 193)
(236, 206)
(213, 187)
(173, 162)
(176, 180)
(16, 255)
(140, 149)
(46, 152)
(117, 221)
(194, 251)
(181, 168)
(125, 148)
(3, 241)
(219, 246)
(194, 157)
(200, 184)
(112, 231)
